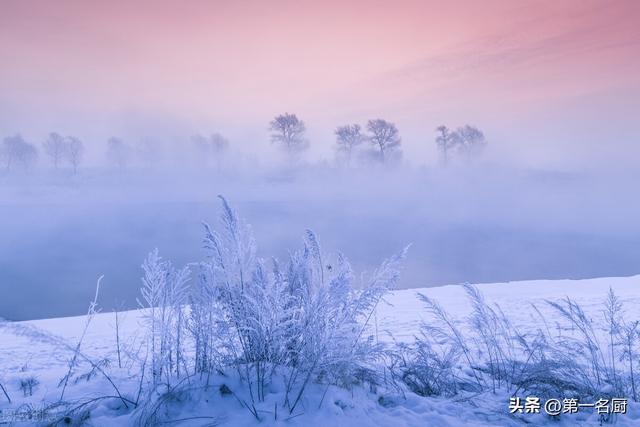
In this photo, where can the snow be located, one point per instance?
(26, 354)
(405, 311)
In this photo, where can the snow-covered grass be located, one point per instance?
(235, 340)
(30, 351)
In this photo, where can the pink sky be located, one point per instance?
(537, 68)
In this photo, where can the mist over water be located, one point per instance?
(60, 233)
(162, 106)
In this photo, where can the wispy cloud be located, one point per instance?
(562, 43)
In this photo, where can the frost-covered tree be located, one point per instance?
(15, 151)
(289, 132)
(471, 141)
(118, 153)
(73, 152)
(445, 140)
(54, 147)
(384, 136)
(348, 137)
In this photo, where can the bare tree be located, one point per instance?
(288, 131)
(347, 138)
(74, 150)
(54, 147)
(16, 151)
(471, 140)
(384, 135)
(118, 152)
(446, 140)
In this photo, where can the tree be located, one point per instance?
(288, 131)
(74, 150)
(54, 147)
(16, 151)
(347, 138)
(446, 140)
(471, 140)
(384, 135)
(117, 152)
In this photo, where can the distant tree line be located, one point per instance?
(382, 136)
(378, 142)
(381, 141)
(467, 141)
(16, 153)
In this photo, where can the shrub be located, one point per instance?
(304, 319)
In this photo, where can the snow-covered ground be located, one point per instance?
(26, 354)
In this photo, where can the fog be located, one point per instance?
(466, 223)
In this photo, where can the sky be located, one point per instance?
(552, 84)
